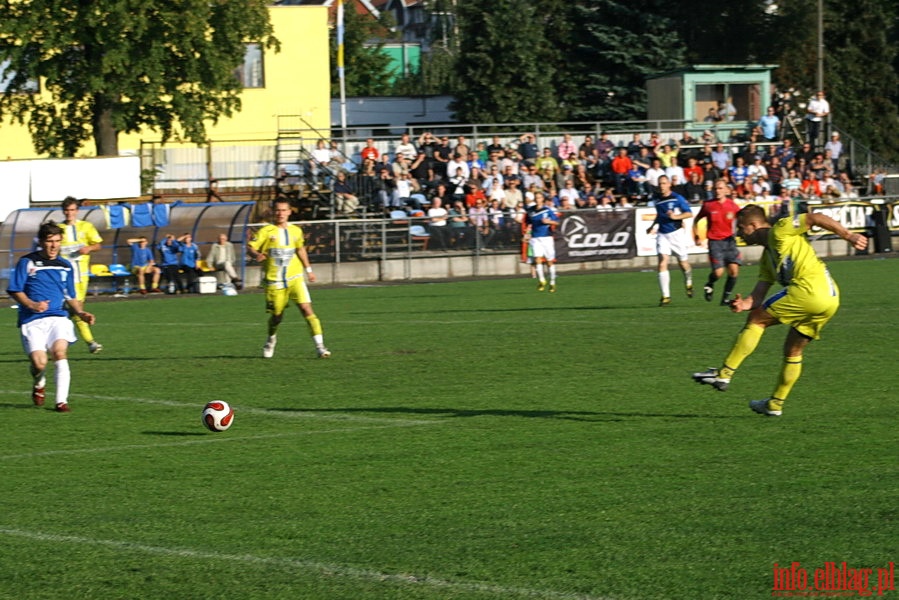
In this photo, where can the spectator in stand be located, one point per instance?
(569, 192)
(459, 226)
(633, 148)
(668, 155)
(369, 151)
(817, 111)
(527, 148)
(509, 173)
(712, 116)
(726, 110)
(786, 151)
(586, 149)
(775, 174)
(621, 167)
(606, 201)
(694, 191)
(566, 148)
(847, 190)
(461, 148)
(493, 176)
(655, 142)
(547, 163)
(835, 146)
(807, 152)
(710, 172)
(582, 178)
(495, 146)
(385, 191)
(820, 166)
(512, 196)
(693, 167)
(474, 160)
(770, 125)
(437, 223)
(687, 139)
(421, 169)
(677, 177)
(791, 182)
(738, 174)
(406, 148)
(802, 167)
(529, 176)
(811, 187)
(458, 162)
(345, 199)
(721, 157)
(318, 164)
(604, 152)
(652, 175)
(757, 169)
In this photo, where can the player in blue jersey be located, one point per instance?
(43, 285)
(541, 221)
(671, 212)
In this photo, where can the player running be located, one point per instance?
(281, 247)
(672, 210)
(721, 214)
(809, 299)
(79, 239)
(541, 221)
(43, 285)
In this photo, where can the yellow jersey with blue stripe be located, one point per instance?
(280, 245)
(74, 238)
(790, 260)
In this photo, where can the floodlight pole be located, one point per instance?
(820, 80)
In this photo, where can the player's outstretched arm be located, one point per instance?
(739, 303)
(858, 241)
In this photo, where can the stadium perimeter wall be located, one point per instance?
(446, 268)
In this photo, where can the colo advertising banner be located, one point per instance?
(586, 235)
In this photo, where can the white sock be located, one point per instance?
(665, 283)
(552, 273)
(688, 276)
(39, 379)
(319, 340)
(63, 381)
(540, 272)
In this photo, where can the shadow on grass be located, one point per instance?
(175, 433)
(570, 415)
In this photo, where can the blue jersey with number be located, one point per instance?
(41, 279)
(673, 202)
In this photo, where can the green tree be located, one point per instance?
(117, 66)
(366, 66)
(617, 45)
(506, 67)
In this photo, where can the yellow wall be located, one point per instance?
(297, 82)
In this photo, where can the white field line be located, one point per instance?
(328, 570)
(288, 413)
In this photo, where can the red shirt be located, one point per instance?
(721, 215)
(370, 152)
(621, 165)
(688, 171)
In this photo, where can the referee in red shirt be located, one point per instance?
(723, 253)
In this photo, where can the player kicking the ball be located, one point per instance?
(809, 299)
(281, 247)
(43, 285)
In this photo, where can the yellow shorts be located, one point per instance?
(278, 295)
(805, 310)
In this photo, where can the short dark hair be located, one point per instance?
(47, 229)
(69, 201)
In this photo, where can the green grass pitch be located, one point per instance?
(467, 440)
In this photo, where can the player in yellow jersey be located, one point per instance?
(79, 239)
(809, 299)
(281, 247)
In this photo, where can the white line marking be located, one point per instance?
(286, 413)
(326, 569)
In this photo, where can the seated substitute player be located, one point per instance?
(143, 264)
(671, 211)
(79, 239)
(541, 221)
(809, 299)
(723, 253)
(281, 247)
(43, 286)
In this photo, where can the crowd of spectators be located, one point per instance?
(490, 183)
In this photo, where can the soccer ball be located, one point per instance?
(217, 415)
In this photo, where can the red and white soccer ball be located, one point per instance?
(217, 415)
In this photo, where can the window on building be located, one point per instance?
(251, 73)
(741, 101)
